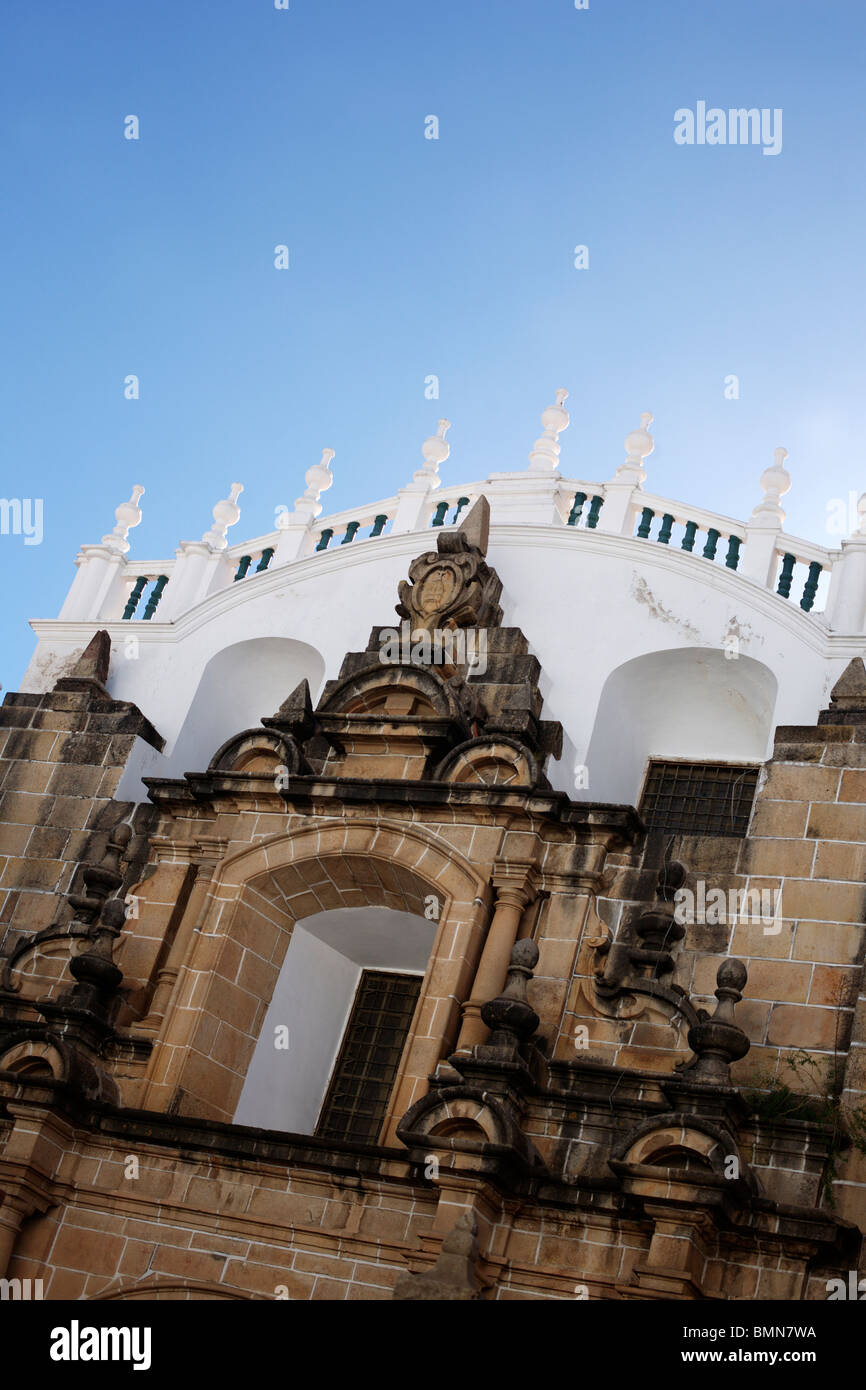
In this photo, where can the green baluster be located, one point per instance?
(267, 556)
(667, 526)
(324, 539)
(379, 524)
(689, 537)
(351, 531)
(245, 562)
(439, 514)
(810, 586)
(140, 586)
(594, 509)
(461, 503)
(576, 509)
(646, 518)
(732, 559)
(155, 596)
(712, 541)
(785, 574)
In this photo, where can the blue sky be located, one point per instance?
(412, 256)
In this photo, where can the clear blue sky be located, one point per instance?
(411, 256)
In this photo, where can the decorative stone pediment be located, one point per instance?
(453, 586)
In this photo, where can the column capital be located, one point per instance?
(516, 882)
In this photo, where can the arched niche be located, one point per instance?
(313, 998)
(690, 703)
(239, 686)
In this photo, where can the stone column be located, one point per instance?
(515, 885)
(206, 856)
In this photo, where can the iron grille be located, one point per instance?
(698, 798)
(364, 1073)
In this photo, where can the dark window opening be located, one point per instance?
(698, 798)
(366, 1067)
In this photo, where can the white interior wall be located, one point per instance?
(313, 997)
(691, 704)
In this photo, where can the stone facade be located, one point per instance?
(591, 1099)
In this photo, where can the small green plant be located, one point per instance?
(820, 1103)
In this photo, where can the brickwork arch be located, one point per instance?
(257, 896)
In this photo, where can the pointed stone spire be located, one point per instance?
(318, 479)
(775, 482)
(435, 451)
(225, 514)
(848, 696)
(90, 671)
(545, 453)
(127, 515)
(295, 715)
(639, 444)
(475, 526)
(719, 1041)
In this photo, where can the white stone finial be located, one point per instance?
(861, 512)
(127, 515)
(435, 451)
(225, 514)
(545, 451)
(318, 479)
(639, 444)
(775, 482)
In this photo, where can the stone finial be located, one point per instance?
(658, 929)
(475, 526)
(435, 451)
(225, 514)
(90, 671)
(318, 479)
(861, 513)
(848, 696)
(639, 444)
(295, 715)
(103, 878)
(510, 1016)
(775, 482)
(719, 1041)
(545, 452)
(127, 515)
(454, 1276)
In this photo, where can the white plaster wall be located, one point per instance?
(587, 601)
(691, 703)
(313, 997)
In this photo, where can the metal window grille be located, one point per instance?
(698, 798)
(366, 1067)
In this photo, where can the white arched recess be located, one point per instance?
(313, 997)
(690, 703)
(239, 686)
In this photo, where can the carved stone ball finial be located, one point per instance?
(639, 444)
(435, 451)
(545, 451)
(103, 878)
(225, 514)
(718, 1041)
(510, 1016)
(775, 482)
(127, 515)
(318, 479)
